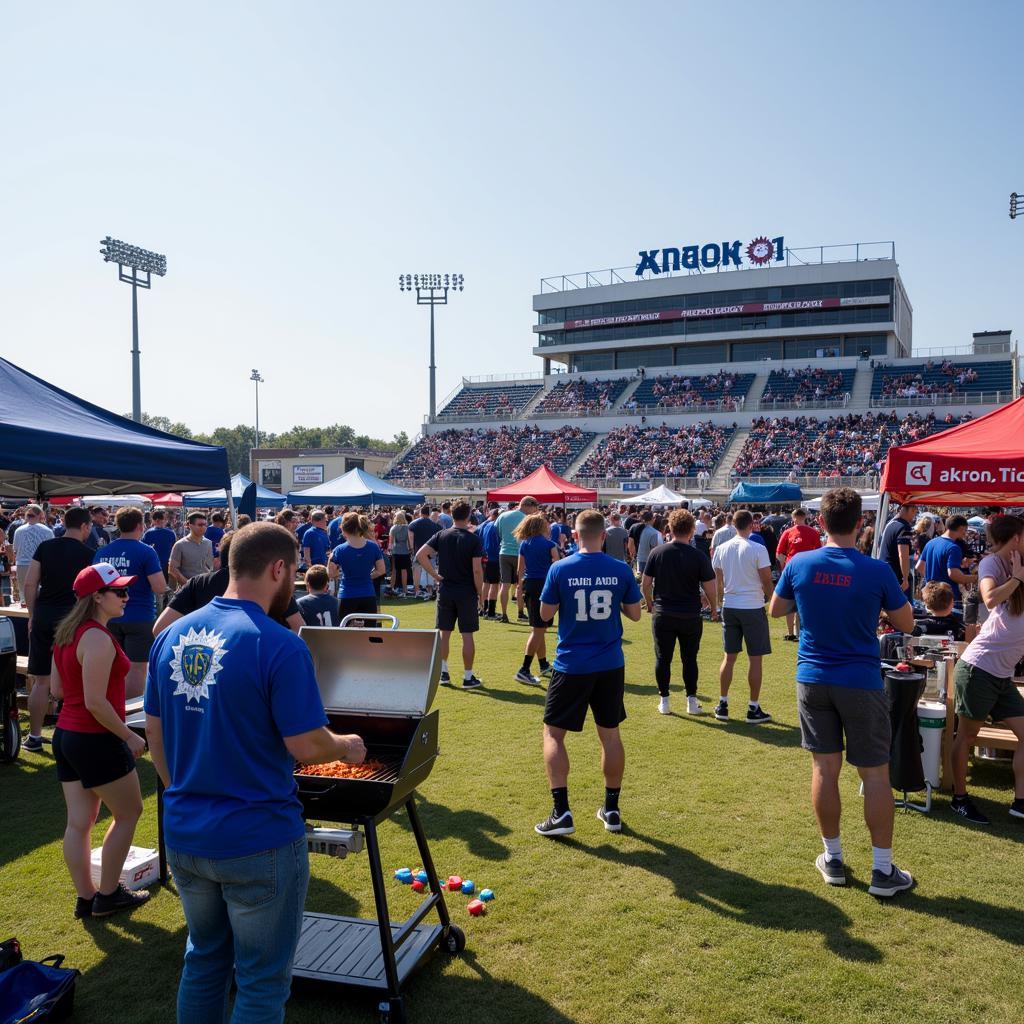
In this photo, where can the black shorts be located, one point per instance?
(569, 696)
(400, 563)
(135, 638)
(492, 571)
(531, 594)
(92, 758)
(40, 639)
(355, 606)
(457, 605)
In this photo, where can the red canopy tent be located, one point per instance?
(168, 499)
(547, 487)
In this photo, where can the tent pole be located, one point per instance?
(880, 524)
(231, 505)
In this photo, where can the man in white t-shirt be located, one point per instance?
(27, 538)
(724, 530)
(743, 570)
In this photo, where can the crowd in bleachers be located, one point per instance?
(643, 452)
(852, 445)
(948, 380)
(495, 400)
(807, 385)
(506, 453)
(583, 396)
(722, 390)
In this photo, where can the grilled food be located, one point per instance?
(341, 770)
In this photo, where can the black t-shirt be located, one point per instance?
(60, 561)
(940, 625)
(202, 589)
(678, 570)
(422, 530)
(456, 548)
(896, 533)
(634, 533)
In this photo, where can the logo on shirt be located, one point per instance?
(919, 473)
(196, 662)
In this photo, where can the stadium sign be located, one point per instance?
(759, 252)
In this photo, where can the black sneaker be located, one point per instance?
(472, 683)
(964, 806)
(791, 636)
(445, 678)
(833, 871)
(722, 711)
(83, 907)
(503, 618)
(755, 716)
(546, 671)
(33, 744)
(522, 676)
(890, 884)
(523, 617)
(612, 819)
(1017, 808)
(120, 899)
(552, 826)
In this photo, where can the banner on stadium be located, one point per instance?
(636, 486)
(739, 309)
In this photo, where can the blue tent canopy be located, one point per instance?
(765, 494)
(356, 487)
(52, 443)
(211, 499)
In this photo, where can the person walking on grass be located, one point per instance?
(744, 578)
(839, 594)
(401, 555)
(491, 541)
(509, 552)
(795, 540)
(537, 551)
(589, 591)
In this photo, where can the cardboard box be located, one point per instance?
(141, 867)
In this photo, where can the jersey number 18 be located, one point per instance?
(599, 601)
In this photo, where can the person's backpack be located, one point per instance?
(31, 990)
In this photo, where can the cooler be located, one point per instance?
(931, 721)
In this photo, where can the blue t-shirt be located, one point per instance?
(589, 590)
(133, 558)
(300, 530)
(228, 684)
(559, 530)
(356, 565)
(489, 538)
(161, 539)
(318, 543)
(839, 593)
(214, 534)
(334, 532)
(319, 610)
(940, 555)
(537, 555)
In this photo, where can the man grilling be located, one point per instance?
(231, 704)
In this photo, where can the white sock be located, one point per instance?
(753, 705)
(881, 860)
(467, 675)
(724, 698)
(33, 736)
(444, 665)
(833, 848)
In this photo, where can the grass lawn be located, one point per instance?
(707, 907)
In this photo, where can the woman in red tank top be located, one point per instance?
(94, 750)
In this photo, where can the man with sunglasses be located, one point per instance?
(193, 554)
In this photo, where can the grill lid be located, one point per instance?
(375, 671)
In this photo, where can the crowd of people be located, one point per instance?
(638, 452)
(720, 390)
(583, 396)
(802, 385)
(912, 384)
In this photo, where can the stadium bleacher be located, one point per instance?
(494, 399)
(688, 391)
(809, 385)
(643, 452)
(583, 395)
(942, 377)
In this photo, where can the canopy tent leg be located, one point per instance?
(880, 524)
(231, 505)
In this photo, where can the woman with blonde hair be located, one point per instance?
(536, 553)
(359, 561)
(401, 554)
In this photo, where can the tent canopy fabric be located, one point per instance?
(868, 503)
(765, 494)
(660, 495)
(980, 462)
(547, 487)
(356, 487)
(239, 481)
(167, 499)
(52, 443)
(111, 500)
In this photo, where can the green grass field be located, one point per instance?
(707, 907)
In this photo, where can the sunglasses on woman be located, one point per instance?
(121, 592)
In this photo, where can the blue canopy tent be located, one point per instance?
(52, 443)
(765, 494)
(356, 487)
(239, 481)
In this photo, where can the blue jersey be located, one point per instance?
(300, 530)
(318, 543)
(214, 534)
(839, 593)
(940, 555)
(589, 590)
(133, 558)
(228, 678)
(334, 532)
(319, 610)
(161, 539)
(536, 554)
(491, 540)
(356, 565)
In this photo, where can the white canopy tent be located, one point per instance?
(664, 496)
(868, 502)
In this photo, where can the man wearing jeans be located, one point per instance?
(231, 703)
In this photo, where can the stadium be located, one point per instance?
(704, 365)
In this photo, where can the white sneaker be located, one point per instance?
(663, 708)
(693, 706)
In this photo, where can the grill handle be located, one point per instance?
(363, 616)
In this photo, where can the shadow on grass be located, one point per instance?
(775, 734)
(740, 897)
(479, 831)
(533, 695)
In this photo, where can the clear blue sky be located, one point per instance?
(292, 159)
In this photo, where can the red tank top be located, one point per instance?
(74, 715)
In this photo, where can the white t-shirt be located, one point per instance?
(739, 559)
(721, 535)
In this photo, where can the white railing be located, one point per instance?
(1000, 349)
(719, 405)
(943, 398)
(803, 403)
(809, 481)
(491, 378)
(475, 417)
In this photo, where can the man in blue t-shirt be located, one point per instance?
(134, 629)
(839, 594)
(160, 537)
(940, 560)
(214, 532)
(232, 703)
(316, 542)
(588, 590)
(491, 541)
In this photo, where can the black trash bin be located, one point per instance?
(906, 772)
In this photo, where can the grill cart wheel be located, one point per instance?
(455, 940)
(10, 740)
(393, 1012)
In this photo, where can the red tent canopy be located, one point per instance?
(980, 462)
(547, 487)
(166, 498)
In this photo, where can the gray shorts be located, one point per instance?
(135, 638)
(828, 712)
(746, 625)
(509, 568)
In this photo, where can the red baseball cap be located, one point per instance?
(99, 576)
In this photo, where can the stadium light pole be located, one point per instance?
(1016, 205)
(431, 290)
(257, 380)
(140, 262)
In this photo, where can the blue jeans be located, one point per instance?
(243, 913)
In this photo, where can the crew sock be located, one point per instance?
(444, 665)
(833, 848)
(467, 674)
(492, 607)
(544, 663)
(611, 798)
(527, 661)
(754, 705)
(560, 796)
(881, 860)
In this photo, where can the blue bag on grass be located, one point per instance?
(37, 991)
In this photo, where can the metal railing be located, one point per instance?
(809, 481)
(810, 402)
(941, 399)
(624, 412)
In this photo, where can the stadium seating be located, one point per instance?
(506, 454)
(809, 384)
(582, 395)
(942, 377)
(495, 399)
(643, 452)
(687, 391)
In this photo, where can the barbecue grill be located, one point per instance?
(378, 683)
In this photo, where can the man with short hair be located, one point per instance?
(491, 541)
(840, 593)
(744, 577)
(214, 532)
(723, 530)
(794, 540)
(509, 552)
(193, 554)
(319, 607)
(588, 591)
(316, 540)
(227, 679)
(444, 517)
(98, 536)
(160, 537)
(616, 538)
(895, 545)
(422, 528)
(941, 558)
(672, 582)
(460, 575)
(27, 537)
